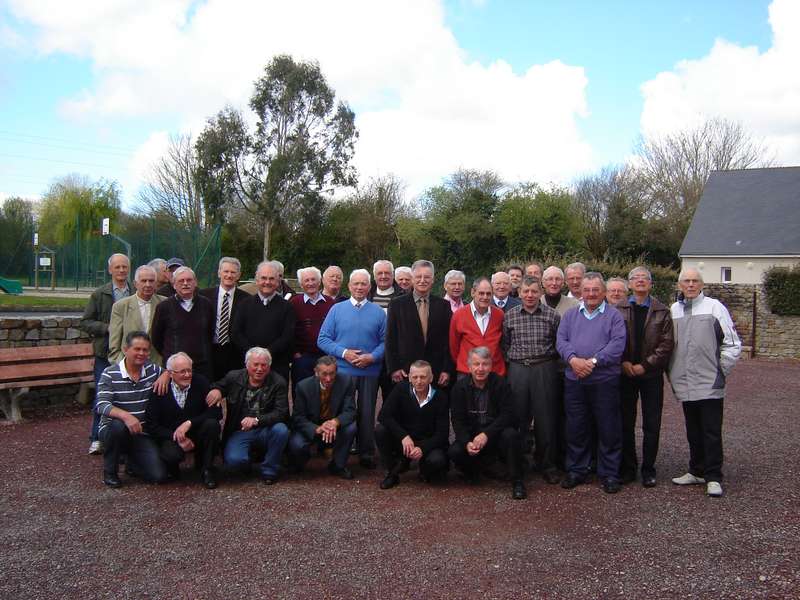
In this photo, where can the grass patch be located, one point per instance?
(24, 301)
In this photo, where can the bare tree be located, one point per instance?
(170, 186)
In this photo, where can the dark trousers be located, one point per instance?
(302, 368)
(704, 432)
(100, 365)
(433, 464)
(226, 358)
(206, 446)
(535, 390)
(141, 452)
(366, 398)
(585, 404)
(507, 445)
(300, 446)
(651, 391)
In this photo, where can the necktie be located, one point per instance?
(422, 309)
(224, 317)
(358, 305)
(501, 303)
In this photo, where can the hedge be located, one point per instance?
(782, 286)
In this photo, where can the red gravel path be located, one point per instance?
(64, 535)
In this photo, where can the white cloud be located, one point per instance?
(423, 108)
(759, 89)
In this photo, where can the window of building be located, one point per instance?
(726, 274)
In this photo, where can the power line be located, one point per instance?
(81, 148)
(56, 139)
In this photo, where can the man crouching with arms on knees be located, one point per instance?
(414, 425)
(324, 412)
(483, 418)
(258, 410)
(180, 420)
(123, 392)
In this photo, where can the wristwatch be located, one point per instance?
(594, 361)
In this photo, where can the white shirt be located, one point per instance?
(499, 302)
(427, 398)
(481, 319)
(180, 395)
(313, 301)
(267, 299)
(144, 311)
(186, 304)
(358, 303)
(221, 291)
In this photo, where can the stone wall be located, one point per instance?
(775, 336)
(44, 331)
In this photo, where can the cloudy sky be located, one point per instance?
(534, 89)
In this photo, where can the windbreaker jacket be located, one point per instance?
(706, 348)
(657, 341)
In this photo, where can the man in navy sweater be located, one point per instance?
(591, 340)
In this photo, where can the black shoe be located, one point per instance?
(342, 472)
(129, 470)
(367, 462)
(472, 478)
(649, 481)
(111, 480)
(269, 480)
(551, 477)
(627, 477)
(389, 481)
(571, 481)
(518, 491)
(611, 486)
(209, 479)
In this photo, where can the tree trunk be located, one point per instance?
(267, 231)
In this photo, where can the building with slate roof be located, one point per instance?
(747, 221)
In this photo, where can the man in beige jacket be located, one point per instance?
(134, 313)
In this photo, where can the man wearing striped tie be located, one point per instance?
(226, 298)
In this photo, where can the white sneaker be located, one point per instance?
(688, 479)
(714, 489)
(96, 447)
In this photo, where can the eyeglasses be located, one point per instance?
(181, 372)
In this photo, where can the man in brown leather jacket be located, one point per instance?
(647, 352)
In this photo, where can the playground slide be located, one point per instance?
(9, 286)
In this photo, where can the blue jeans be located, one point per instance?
(100, 365)
(300, 446)
(272, 438)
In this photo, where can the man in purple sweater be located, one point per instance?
(591, 340)
(353, 332)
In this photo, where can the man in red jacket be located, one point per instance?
(479, 323)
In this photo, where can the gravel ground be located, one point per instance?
(64, 535)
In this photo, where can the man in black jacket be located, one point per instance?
(258, 410)
(266, 320)
(180, 420)
(482, 412)
(324, 411)
(414, 425)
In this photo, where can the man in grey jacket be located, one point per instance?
(706, 348)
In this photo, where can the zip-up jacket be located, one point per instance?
(657, 340)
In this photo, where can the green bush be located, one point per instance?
(782, 285)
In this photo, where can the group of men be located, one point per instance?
(520, 364)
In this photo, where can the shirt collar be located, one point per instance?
(267, 299)
(387, 292)
(355, 302)
(475, 312)
(499, 300)
(600, 309)
(417, 296)
(632, 300)
(307, 299)
(176, 389)
(427, 398)
(124, 372)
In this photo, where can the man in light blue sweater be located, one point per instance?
(353, 332)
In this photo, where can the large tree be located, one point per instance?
(303, 143)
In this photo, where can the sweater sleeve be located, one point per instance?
(441, 426)
(327, 334)
(611, 353)
(563, 343)
(379, 350)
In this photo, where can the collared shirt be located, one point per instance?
(632, 300)
(313, 301)
(120, 293)
(427, 398)
(117, 389)
(144, 311)
(478, 408)
(267, 299)
(597, 311)
(180, 395)
(221, 291)
(186, 304)
(418, 296)
(530, 335)
(358, 303)
(500, 303)
(481, 319)
(454, 304)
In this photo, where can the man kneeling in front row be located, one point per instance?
(258, 410)
(482, 411)
(414, 425)
(180, 421)
(324, 413)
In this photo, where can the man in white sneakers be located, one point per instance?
(706, 348)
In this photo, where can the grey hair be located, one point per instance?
(578, 266)
(278, 266)
(313, 270)
(422, 264)
(360, 272)
(171, 360)
(479, 281)
(454, 274)
(158, 264)
(479, 351)
(594, 275)
(266, 263)
(682, 274)
(144, 268)
(499, 274)
(553, 268)
(326, 361)
(619, 280)
(125, 256)
(530, 280)
(380, 262)
(181, 270)
(231, 260)
(640, 269)
(406, 270)
(258, 351)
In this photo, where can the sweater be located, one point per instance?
(349, 328)
(308, 321)
(428, 426)
(602, 337)
(465, 335)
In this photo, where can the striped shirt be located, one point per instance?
(530, 335)
(117, 389)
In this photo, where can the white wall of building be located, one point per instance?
(744, 269)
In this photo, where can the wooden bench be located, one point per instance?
(24, 368)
